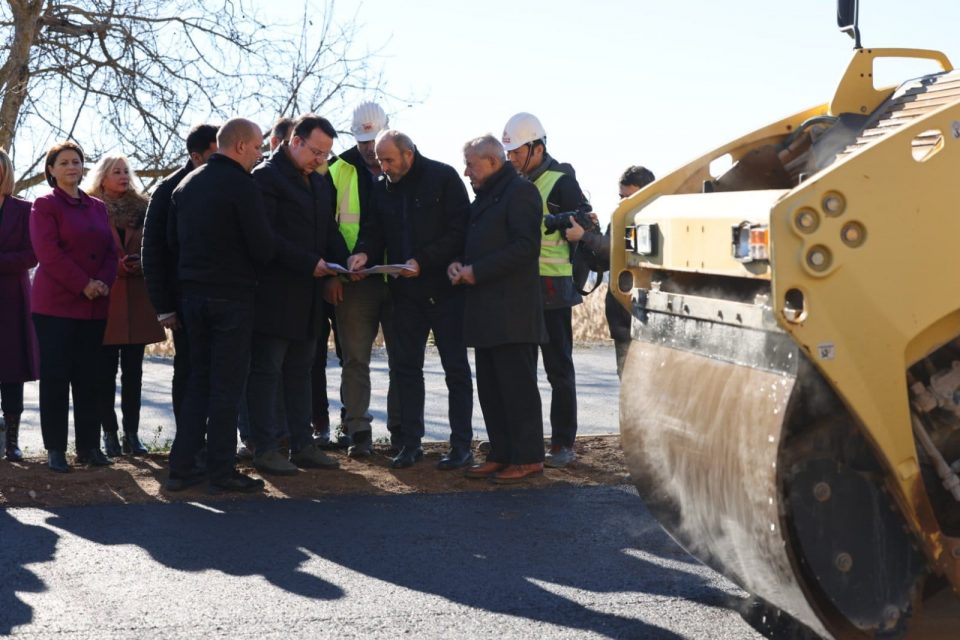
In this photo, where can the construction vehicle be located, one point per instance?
(790, 405)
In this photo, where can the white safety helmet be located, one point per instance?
(521, 129)
(369, 119)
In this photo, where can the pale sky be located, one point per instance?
(619, 82)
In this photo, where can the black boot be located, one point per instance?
(57, 461)
(13, 435)
(93, 457)
(132, 444)
(111, 444)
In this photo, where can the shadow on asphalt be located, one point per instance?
(20, 544)
(515, 553)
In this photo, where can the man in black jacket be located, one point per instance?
(218, 224)
(159, 259)
(618, 318)
(418, 215)
(504, 312)
(289, 300)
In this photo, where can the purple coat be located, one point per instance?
(73, 243)
(18, 343)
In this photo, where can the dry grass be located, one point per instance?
(589, 325)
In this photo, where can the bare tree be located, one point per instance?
(133, 75)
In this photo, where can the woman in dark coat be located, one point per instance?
(18, 343)
(131, 322)
(71, 236)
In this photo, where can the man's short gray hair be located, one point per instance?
(402, 140)
(486, 147)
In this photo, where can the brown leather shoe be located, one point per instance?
(518, 473)
(484, 470)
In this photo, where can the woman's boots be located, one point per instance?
(12, 448)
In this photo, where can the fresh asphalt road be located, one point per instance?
(554, 563)
(597, 396)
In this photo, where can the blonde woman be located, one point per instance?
(131, 321)
(18, 343)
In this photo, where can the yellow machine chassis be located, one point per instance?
(877, 308)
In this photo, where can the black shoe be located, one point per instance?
(341, 441)
(455, 459)
(407, 457)
(177, 482)
(132, 445)
(93, 457)
(236, 482)
(362, 446)
(111, 444)
(57, 461)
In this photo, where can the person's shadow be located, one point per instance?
(20, 544)
(523, 553)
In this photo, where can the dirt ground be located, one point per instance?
(138, 480)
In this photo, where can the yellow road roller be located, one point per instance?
(790, 405)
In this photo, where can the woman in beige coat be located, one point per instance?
(132, 322)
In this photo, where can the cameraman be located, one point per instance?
(618, 318)
(525, 140)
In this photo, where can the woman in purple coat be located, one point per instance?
(78, 263)
(17, 340)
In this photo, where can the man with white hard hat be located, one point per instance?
(525, 142)
(364, 306)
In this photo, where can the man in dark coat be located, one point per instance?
(219, 226)
(503, 318)
(159, 260)
(418, 215)
(289, 310)
(618, 318)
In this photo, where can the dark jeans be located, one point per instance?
(11, 398)
(321, 404)
(275, 361)
(510, 400)
(69, 354)
(558, 362)
(413, 321)
(219, 331)
(129, 357)
(181, 368)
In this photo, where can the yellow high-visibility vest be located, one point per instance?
(554, 249)
(345, 180)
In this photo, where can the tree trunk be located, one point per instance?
(15, 72)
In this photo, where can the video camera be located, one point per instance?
(558, 221)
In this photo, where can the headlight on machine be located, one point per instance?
(642, 239)
(751, 242)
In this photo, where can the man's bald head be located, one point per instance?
(239, 139)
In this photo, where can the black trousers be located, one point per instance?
(129, 359)
(11, 398)
(558, 362)
(510, 400)
(181, 368)
(280, 375)
(69, 354)
(219, 331)
(413, 320)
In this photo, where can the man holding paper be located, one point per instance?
(418, 215)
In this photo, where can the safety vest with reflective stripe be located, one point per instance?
(554, 249)
(347, 185)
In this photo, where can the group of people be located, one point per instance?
(252, 262)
